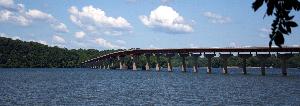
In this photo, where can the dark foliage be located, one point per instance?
(16, 53)
(283, 21)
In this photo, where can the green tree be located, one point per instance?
(283, 21)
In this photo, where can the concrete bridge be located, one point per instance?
(262, 53)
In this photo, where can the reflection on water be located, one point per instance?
(120, 87)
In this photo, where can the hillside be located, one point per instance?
(17, 53)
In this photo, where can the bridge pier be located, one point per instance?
(225, 57)
(104, 67)
(195, 61)
(244, 58)
(157, 68)
(147, 66)
(284, 58)
(121, 60)
(209, 56)
(263, 58)
(133, 58)
(169, 56)
(183, 65)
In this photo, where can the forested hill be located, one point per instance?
(17, 53)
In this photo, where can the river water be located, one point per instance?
(125, 87)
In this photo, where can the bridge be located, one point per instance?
(262, 53)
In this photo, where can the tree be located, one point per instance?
(283, 21)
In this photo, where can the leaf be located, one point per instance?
(288, 28)
(270, 7)
(257, 3)
(282, 30)
(288, 5)
(289, 17)
(279, 39)
(291, 24)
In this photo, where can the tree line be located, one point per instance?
(22, 54)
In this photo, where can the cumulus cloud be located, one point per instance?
(106, 44)
(58, 39)
(80, 34)
(60, 27)
(6, 3)
(8, 16)
(10, 5)
(42, 42)
(37, 14)
(95, 20)
(17, 14)
(216, 18)
(166, 19)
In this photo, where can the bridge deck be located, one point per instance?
(194, 50)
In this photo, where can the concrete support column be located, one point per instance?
(108, 66)
(244, 58)
(157, 68)
(169, 62)
(284, 58)
(147, 66)
(225, 57)
(195, 61)
(209, 56)
(112, 65)
(134, 59)
(121, 60)
(183, 65)
(263, 58)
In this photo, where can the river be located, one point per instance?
(52, 86)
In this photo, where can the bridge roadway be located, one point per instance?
(262, 53)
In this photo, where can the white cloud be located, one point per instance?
(3, 35)
(80, 34)
(16, 37)
(60, 27)
(8, 16)
(95, 20)
(17, 14)
(106, 44)
(216, 18)
(122, 42)
(58, 39)
(42, 42)
(39, 15)
(166, 19)
(6, 3)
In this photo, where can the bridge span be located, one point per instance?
(262, 53)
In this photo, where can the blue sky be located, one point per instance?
(100, 24)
